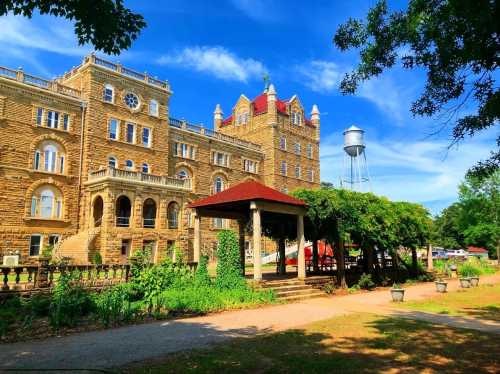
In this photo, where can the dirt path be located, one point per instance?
(121, 346)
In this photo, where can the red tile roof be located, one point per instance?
(227, 121)
(476, 250)
(247, 191)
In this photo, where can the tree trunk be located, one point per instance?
(430, 264)
(282, 257)
(395, 265)
(340, 258)
(414, 260)
(315, 257)
(369, 259)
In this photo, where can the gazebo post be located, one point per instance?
(197, 237)
(241, 226)
(257, 271)
(301, 258)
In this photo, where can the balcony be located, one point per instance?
(183, 125)
(136, 177)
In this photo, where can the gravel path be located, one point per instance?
(125, 345)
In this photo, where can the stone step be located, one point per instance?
(306, 291)
(297, 287)
(292, 298)
(281, 283)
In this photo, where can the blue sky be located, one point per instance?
(211, 52)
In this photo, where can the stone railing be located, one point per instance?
(144, 77)
(134, 176)
(54, 86)
(183, 125)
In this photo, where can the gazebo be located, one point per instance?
(250, 200)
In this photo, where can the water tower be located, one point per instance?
(356, 176)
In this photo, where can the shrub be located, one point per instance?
(140, 261)
(469, 269)
(69, 302)
(366, 282)
(201, 276)
(97, 258)
(114, 305)
(229, 272)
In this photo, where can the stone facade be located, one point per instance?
(93, 163)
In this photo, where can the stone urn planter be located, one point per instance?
(474, 281)
(465, 282)
(441, 286)
(398, 294)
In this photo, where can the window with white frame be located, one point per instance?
(108, 94)
(35, 244)
(297, 171)
(49, 157)
(184, 150)
(283, 168)
(130, 133)
(296, 118)
(242, 118)
(145, 168)
(250, 166)
(219, 223)
(283, 143)
(46, 203)
(219, 184)
(65, 122)
(52, 119)
(220, 158)
(146, 137)
(129, 165)
(297, 148)
(310, 175)
(53, 239)
(153, 108)
(114, 129)
(39, 116)
(112, 162)
(309, 150)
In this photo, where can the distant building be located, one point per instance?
(477, 252)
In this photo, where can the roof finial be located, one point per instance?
(266, 80)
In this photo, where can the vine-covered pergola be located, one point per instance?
(252, 202)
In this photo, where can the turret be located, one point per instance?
(217, 117)
(315, 119)
(272, 111)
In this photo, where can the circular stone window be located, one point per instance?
(131, 100)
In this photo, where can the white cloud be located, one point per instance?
(421, 171)
(320, 76)
(216, 61)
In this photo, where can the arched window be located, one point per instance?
(112, 162)
(173, 215)
(129, 164)
(145, 168)
(183, 174)
(153, 107)
(49, 156)
(47, 202)
(218, 184)
(149, 213)
(108, 94)
(123, 211)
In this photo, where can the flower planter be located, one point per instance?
(397, 294)
(465, 282)
(474, 281)
(441, 286)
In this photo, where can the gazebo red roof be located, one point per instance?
(247, 191)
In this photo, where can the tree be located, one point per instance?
(447, 231)
(455, 41)
(106, 24)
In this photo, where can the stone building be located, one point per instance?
(91, 162)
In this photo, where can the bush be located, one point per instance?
(114, 305)
(97, 258)
(229, 272)
(366, 282)
(69, 302)
(201, 276)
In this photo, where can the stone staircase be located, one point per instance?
(294, 289)
(76, 247)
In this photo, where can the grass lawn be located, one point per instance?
(479, 302)
(358, 343)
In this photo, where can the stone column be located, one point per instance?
(430, 264)
(301, 258)
(197, 237)
(257, 271)
(241, 226)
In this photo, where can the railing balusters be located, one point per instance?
(5, 272)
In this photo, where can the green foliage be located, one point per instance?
(114, 304)
(47, 251)
(106, 24)
(365, 282)
(140, 261)
(97, 258)
(229, 272)
(70, 301)
(201, 277)
(454, 41)
(467, 269)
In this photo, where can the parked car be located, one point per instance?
(440, 254)
(457, 253)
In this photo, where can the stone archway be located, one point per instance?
(97, 211)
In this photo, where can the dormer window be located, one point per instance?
(109, 94)
(296, 118)
(153, 108)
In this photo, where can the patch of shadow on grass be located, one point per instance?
(488, 312)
